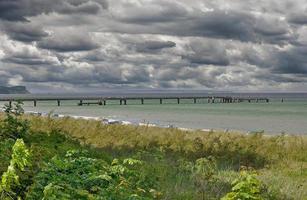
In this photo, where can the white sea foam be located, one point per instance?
(147, 124)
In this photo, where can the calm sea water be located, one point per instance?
(275, 117)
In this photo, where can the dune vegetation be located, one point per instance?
(63, 158)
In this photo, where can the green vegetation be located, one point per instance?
(10, 179)
(80, 159)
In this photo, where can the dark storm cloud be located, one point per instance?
(19, 10)
(150, 46)
(298, 18)
(29, 57)
(88, 7)
(69, 43)
(207, 52)
(230, 24)
(25, 32)
(156, 12)
(203, 59)
(292, 61)
(163, 43)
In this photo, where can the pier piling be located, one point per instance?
(123, 99)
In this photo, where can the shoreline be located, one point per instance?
(110, 121)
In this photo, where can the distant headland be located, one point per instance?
(14, 90)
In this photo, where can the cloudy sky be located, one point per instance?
(89, 45)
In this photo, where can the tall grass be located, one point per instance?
(256, 150)
(280, 160)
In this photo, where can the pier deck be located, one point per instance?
(123, 100)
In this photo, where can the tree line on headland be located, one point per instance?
(13, 90)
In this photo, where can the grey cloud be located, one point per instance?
(299, 18)
(19, 10)
(69, 43)
(4, 77)
(25, 32)
(161, 43)
(81, 7)
(292, 61)
(228, 24)
(150, 46)
(153, 12)
(279, 78)
(188, 77)
(30, 57)
(207, 52)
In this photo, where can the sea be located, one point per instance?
(285, 113)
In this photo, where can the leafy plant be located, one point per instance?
(10, 179)
(14, 126)
(247, 187)
(79, 177)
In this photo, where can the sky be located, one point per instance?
(90, 45)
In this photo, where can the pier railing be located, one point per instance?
(123, 100)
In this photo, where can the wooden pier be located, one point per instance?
(123, 100)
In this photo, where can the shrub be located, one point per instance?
(10, 179)
(77, 176)
(14, 126)
(247, 187)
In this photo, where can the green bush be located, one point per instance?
(14, 126)
(247, 187)
(10, 179)
(79, 177)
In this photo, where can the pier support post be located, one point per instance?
(194, 100)
(100, 102)
(160, 101)
(142, 101)
(80, 103)
(104, 102)
(59, 102)
(178, 100)
(125, 101)
(34, 102)
(10, 104)
(120, 102)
